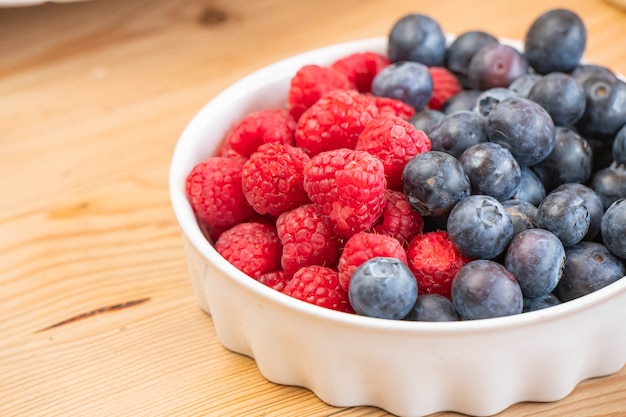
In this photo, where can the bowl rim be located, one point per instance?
(192, 231)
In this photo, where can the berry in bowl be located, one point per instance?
(415, 222)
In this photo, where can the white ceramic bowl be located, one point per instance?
(407, 368)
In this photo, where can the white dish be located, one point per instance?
(407, 368)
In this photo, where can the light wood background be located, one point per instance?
(97, 313)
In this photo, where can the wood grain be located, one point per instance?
(98, 315)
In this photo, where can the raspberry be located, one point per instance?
(307, 239)
(276, 280)
(349, 187)
(394, 141)
(388, 106)
(254, 129)
(310, 83)
(214, 190)
(445, 85)
(334, 121)
(361, 68)
(399, 220)
(434, 260)
(319, 285)
(253, 248)
(272, 179)
(363, 246)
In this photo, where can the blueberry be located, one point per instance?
(566, 215)
(618, 150)
(490, 98)
(531, 188)
(484, 289)
(536, 258)
(555, 41)
(610, 184)
(492, 170)
(419, 38)
(605, 112)
(384, 288)
(463, 100)
(570, 160)
(589, 266)
(523, 127)
(462, 49)
(495, 65)
(409, 82)
(433, 182)
(480, 227)
(523, 215)
(593, 203)
(523, 84)
(583, 72)
(539, 303)
(425, 119)
(613, 228)
(457, 131)
(433, 307)
(562, 97)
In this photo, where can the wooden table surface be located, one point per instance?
(97, 311)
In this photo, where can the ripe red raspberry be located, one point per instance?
(310, 83)
(263, 126)
(394, 141)
(319, 285)
(364, 246)
(349, 187)
(253, 248)
(307, 239)
(273, 178)
(361, 68)
(399, 219)
(334, 121)
(388, 106)
(276, 280)
(434, 261)
(445, 85)
(214, 190)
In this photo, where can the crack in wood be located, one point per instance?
(101, 310)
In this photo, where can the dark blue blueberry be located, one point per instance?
(484, 289)
(463, 100)
(495, 65)
(589, 266)
(583, 72)
(433, 307)
(457, 131)
(613, 228)
(492, 170)
(566, 215)
(384, 288)
(610, 184)
(531, 188)
(480, 227)
(462, 49)
(523, 127)
(409, 82)
(425, 119)
(539, 303)
(619, 147)
(555, 41)
(522, 213)
(536, 258)
(433, 182)
(489, 99)
(593, 203)
(605, 112)
(571, 160)
(522, 85)
(562, 97)
(419, 38)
